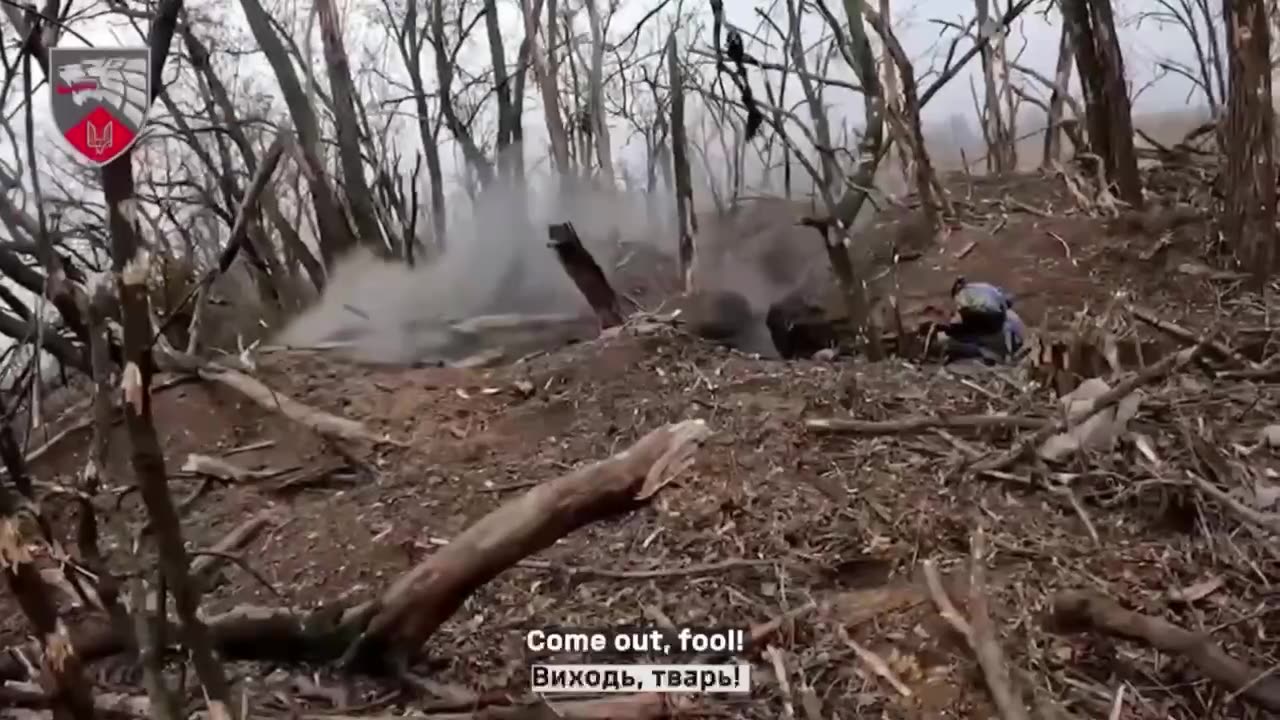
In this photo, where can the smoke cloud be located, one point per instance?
(496, 262)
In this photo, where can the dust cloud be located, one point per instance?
(496, 262)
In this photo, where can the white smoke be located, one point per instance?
(496, 261)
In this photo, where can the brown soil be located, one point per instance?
(844, 521)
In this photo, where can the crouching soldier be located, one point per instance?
(988, 329)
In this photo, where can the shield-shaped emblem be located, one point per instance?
(100, 98)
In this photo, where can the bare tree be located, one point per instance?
(932, 196)
(355, 185)
(509, 106)
(1196, 18)
(544, 58)
(1101, 65)
(336, 235)
(131, 263)
(997, 124)
(296, 252)
(1250, 213)
(595, 83)
(893, 103)
(410, 36)
(476, 159)
(1058, 97)
(686, 216)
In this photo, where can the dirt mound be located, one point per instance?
(780, 517)
(772, 516)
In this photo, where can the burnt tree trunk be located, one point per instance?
(586, 274)
(1101, 65)
(1250, 212)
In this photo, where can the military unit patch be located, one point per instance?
(100, 98)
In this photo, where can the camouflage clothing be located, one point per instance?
(989, 329)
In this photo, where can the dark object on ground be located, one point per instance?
(726, 317)
(799, 328)
(945, 346)
(717, 314)
(977, 323)
(956, 349)
(974, 339)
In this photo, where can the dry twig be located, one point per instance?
(1175, 330)
(1166, 366)
(784, 684)
(980, 635)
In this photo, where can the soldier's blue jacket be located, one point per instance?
(980, 299)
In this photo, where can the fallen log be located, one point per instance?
(487, 340)
(585, 273)
(422, 600)
(205, 567)
(417, 604)
(327, 424)
(517, 335)
(1076, 611)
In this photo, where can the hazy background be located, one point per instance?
(489, 238)
(950, 115)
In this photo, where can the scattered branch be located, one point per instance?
(1078, 611)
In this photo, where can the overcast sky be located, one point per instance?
(1035, 37)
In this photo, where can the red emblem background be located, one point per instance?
(100, 118)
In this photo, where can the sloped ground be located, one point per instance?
(772, 516)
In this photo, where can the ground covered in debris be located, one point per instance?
(829, 528)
